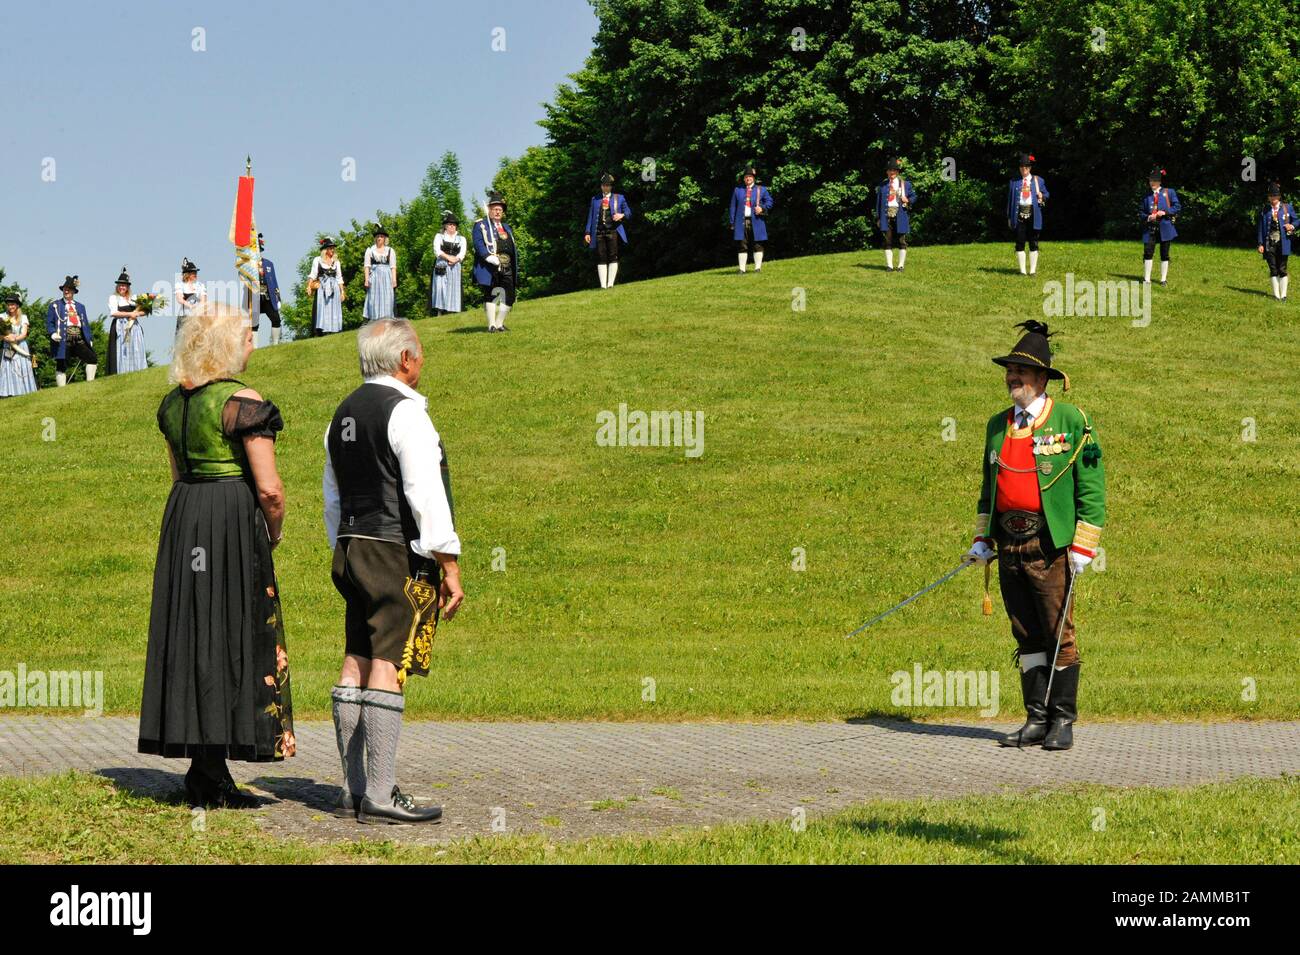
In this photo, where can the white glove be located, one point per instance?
(56, 337)
(980, 552)
(493, 260)
(1079, 562)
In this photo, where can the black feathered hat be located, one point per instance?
(380, 230)
(449, 218)
(187, 266)
(749, 171)
(495, 199)
(13, 299)
(327, 243)
(1033, 351)
(893, 166)
(606, 180)
(1027, 159)
(1156, 175)
(1274, 189)
(69, 282)
(124, 279)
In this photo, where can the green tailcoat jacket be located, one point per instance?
(1071, 477)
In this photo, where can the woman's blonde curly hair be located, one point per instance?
(210, 345)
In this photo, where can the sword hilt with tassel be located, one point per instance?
(988, 601)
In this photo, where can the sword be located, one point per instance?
(920, 593)
(1060, 631)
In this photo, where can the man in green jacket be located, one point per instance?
(1043, 503)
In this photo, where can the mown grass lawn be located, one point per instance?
(74, 818)
(824, 431)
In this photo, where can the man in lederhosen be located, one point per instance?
(496, 263)
(268, 294)
(1043, 502)
(1026, 197)
(1275, 228)
(389, 519)
(894, 198)
(70, 335)
(604, 232)
(750, 203)
(1160, 208)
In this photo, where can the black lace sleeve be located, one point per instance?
(246, 418)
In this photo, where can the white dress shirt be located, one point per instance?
(415, 442)
(1034, 410)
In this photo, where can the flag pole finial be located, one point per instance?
(248, 165)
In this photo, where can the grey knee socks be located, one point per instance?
(351, 737)
(381, 717)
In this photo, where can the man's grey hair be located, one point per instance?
(381, 343)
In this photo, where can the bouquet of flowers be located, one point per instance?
(13, 348)
(148, 301)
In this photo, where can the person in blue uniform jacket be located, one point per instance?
(606, 214)
(1276, 226)
(750, 204)
(1026, 197)
(1160, 208)
(894, 199)
(496, 262)
(70, 335)
(269, 294)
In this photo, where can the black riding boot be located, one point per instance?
(1063, 709)
(1033, 686)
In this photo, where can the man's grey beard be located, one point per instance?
(1028, 401)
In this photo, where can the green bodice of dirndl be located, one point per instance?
(191, 422)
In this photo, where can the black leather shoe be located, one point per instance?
(349, 804)
(1033, 686)
(202, 790)
(1063, 709)
(402, 809)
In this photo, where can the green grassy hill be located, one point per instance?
(823, 431)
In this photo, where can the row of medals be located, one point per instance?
(1049, 444)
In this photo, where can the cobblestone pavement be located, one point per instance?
(571, 780)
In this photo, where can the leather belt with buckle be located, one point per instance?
(1020, 525)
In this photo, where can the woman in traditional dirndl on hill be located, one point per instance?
(325, 282)
(216, 683)
(125, 336)
(449, 250)
(381, 277)
(16, 376)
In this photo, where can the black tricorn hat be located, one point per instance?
(1026, 159)
(124, 279)
(69, 282)
(449, 218)
(1156, 175)
(380, 230)
(606, 179)
(1033, 351)
(1274, 189)
(187, 266)
(13, 298)
(494, 199)
(327, 243)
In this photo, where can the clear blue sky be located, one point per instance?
(148, 136)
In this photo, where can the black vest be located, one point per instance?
(372, 502)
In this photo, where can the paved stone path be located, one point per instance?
(570, 780)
